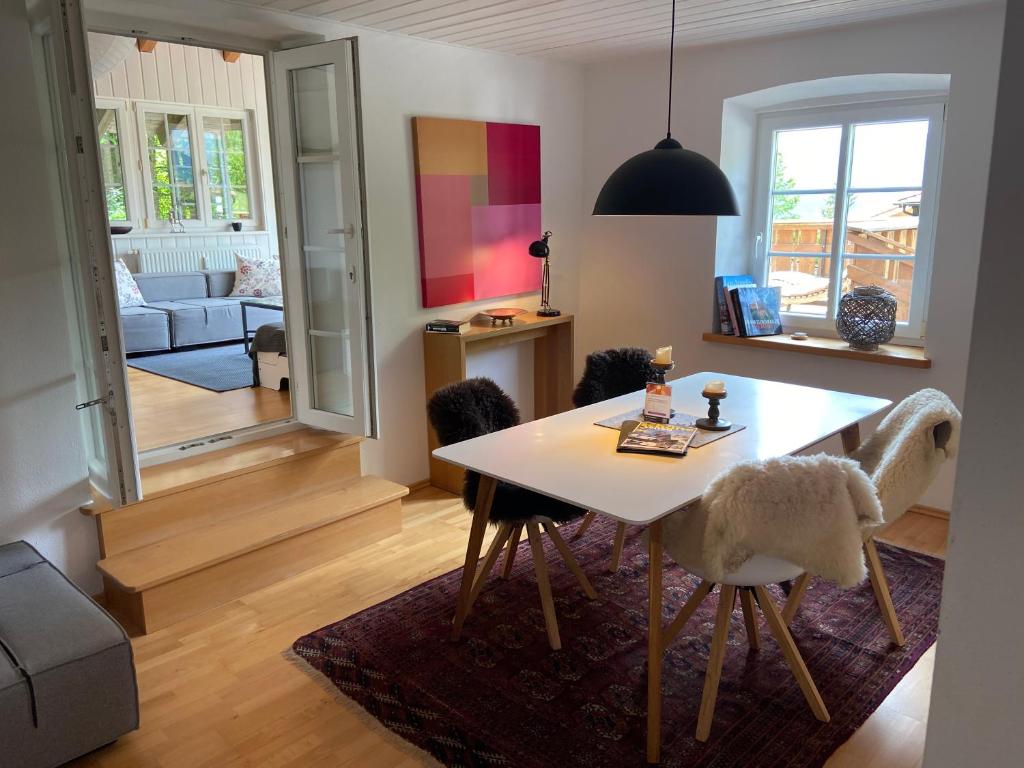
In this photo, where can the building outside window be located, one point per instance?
(846, 197)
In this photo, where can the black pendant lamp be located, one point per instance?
(667, 180)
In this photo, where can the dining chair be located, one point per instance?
(476, 407)
(607, 374)
(761, 523)
(902, 457)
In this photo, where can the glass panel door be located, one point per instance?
(102, 383)
(323, 233)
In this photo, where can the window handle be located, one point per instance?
(349, 231)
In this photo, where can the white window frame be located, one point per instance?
(129, 165)
(932, 109)
(251, 166)
(200, 167)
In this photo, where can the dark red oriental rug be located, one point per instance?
(502, 697)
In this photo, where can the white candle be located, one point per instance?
(715, 387)
(663, 355)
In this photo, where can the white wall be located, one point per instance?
(975, 716)
(402, 77)
(670, 263)
(42, 466)
(186, 74)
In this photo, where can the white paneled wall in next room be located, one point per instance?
(194, 76)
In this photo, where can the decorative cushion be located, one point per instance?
(257, 277)
(128, 293)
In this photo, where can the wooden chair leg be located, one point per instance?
(792, 654)
(796, 595)
(726, 599)
(510, 553)
(588, 520)
(620, 540)
(481, 512)
(564, 551)
(504, 530)
(750, 619)
(655, 645)
(547, 602)
(882, 596)
(685, 613)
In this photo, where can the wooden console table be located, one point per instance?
(444, 362)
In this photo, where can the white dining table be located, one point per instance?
(568, 457)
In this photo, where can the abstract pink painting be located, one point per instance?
(478, 201)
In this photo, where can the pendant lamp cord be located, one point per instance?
(671, 68)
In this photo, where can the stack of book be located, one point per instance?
(744, 309)
(449, 326)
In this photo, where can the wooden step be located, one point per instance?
(155, 585)
(239, 481)
(231, 461)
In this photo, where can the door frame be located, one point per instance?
(76, 144)
(211, 38)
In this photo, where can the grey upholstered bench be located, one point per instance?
(67, 678)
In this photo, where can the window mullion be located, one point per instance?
(171, 175)
(204, 201)
(835, 285)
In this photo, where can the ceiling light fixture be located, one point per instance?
(667, 180)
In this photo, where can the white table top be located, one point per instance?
(570, 458)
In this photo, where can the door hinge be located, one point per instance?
(90, 403)
(80, 145)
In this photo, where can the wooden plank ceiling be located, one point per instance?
(588, 30)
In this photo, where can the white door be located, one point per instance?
(323, 232)
(102, 381)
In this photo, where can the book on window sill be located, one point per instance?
(758, 310)
(658, 439)
(723, 293)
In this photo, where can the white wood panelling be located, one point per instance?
(588, 30)
(185, 74)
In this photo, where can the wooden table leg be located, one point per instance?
(654, 644)
(481, 511)
(620, 541)
(851, 438)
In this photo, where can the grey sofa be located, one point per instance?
(67, 677)
(187, 308)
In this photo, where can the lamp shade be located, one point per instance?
(667, 181)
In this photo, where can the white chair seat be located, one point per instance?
(683, 539)
(758, 570)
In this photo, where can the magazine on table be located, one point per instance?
(650, 437)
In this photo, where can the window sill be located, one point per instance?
(887, 354)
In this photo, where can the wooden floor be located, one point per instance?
(216, 691)
(166, 411)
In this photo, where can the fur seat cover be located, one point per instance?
(904, 454)
(476, 407)
(808, 510)
(611, 373)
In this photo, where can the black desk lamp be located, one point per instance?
(541, 250)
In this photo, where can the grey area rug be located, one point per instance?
(220, 369)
